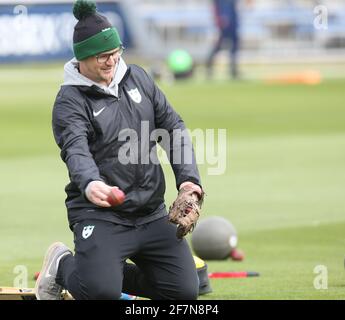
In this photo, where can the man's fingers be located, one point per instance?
(98, 192)
(103, 203)
(100, 202)
(100, 195)
(99, 198)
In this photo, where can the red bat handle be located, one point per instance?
(234, 274)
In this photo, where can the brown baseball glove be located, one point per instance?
(185, 210)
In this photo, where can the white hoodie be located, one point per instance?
(72, 77)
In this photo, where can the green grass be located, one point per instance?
(282, 188)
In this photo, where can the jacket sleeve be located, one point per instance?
(179, 149)
(72, 129)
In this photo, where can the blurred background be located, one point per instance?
(271, 73)
(269, 32)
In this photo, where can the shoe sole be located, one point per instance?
(45, 265)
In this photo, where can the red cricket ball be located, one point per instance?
(236, 254)
(116, 197)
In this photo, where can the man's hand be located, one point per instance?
(185, 210)
(195, 194)
(97, 192)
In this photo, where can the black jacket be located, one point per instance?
(90, 127)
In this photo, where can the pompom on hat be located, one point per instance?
(93, 33)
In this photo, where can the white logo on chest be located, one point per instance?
(135, 95)
(95, 114)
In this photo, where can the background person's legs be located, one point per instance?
(215, 49)
(234, 39)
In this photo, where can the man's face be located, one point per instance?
(100, 68)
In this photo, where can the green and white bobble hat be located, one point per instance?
(93, 33)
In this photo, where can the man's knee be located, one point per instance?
(186, 290)
(102, 291)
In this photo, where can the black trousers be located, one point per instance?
(164, 266)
